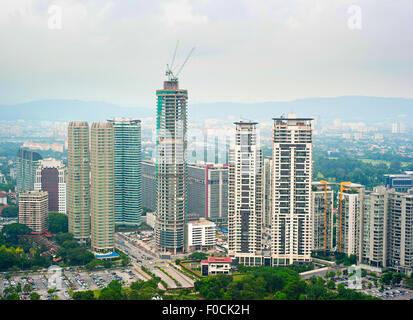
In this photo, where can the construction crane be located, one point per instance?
(170, 73)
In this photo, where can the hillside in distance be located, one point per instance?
(349, 108)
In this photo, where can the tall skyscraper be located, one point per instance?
(26, 165)
(128, 171)
(102, 159)
(51, 177)
(246, 199)
(78, 180)
(322, 198)
(292, 178)
(171, 170)
(33, 210)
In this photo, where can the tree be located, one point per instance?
(57, 222)
(395, 165)
(112, 292)
(387, 278)
(280, 296)
(198, 256)
(13, 296)
(84, 295)
(10, 212)
(331, 285)
(13, 230)
(34, 296)
(397, 278)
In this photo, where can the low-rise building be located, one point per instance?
(216, 265)
(201, 235)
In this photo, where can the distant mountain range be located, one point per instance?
(349, 108)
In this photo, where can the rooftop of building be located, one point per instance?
(246, 122)
(102, 125)
(124, 120)
(217, 260)
(77, 123)
(33, 193)
(202, 222)
(203, 165)
(51, 163)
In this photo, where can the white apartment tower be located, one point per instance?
(246, 200)
(349, 220)
(292, 177)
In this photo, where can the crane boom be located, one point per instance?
(187, 58)
(173, 57)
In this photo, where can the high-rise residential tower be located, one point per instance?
(78, 180)
(322, 200)
(266, 219)
(292, 178)
(26, 165)
(102, 159)
(171, 169)
(51, 177)
(350, 216)
(128, 171)
(33, 210)
(246, 198)
(399, 246)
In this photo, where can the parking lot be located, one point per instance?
(390, 293)
(70, 279)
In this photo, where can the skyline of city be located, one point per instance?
(271, 161)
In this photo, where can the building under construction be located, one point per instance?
(171, 168)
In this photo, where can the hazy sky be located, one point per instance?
(246, 50)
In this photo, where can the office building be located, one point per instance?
(201, 235)
(291, 225)
(128, 171)
(171, 168)
(78, 180)
(102, 159)
(399, 182)
(26, 165)
(51, 177)
(33, 210)
(246, 198)
(208, 192)
(148, 185)
(322, 200)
